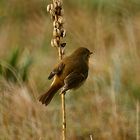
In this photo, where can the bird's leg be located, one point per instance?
(62, 92)
(64, 89)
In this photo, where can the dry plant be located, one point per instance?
(56, 11)
(114, 32)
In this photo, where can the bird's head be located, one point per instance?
(83, 53)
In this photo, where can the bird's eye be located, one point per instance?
(87, 55)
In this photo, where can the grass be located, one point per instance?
(14, 72)
(106, 106)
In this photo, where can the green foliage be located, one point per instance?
(13, 69)
(25, 68)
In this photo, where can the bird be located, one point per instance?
(70, 73)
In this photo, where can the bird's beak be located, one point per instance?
(91, 53)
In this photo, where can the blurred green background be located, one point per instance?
(107, 106)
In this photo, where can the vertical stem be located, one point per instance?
(56, 11)
(91, 138)
(137, 120)
(63, 117)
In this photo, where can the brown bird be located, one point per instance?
(70, 73)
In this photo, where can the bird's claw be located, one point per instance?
(62, 92)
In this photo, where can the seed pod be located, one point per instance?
(55, 5)
(54, 1)
(59, 4)
(63, 45)
(52, 7)
(63, 32)
(62, 49)
(61, 20)
(56, 32)
(48, 8)
(52, 43)
(52, 17)
(56, 24)
(52, 13)
(61, 52)
(56, 44)
(57, 41)
(58, 11)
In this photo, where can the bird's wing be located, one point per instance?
(58, 69)
(74, 80)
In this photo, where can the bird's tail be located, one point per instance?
(47, 97)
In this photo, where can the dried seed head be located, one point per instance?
(48, 8)
(56, 11)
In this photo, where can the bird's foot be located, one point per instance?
(62, 91)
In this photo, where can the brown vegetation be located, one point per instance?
(105, 107)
